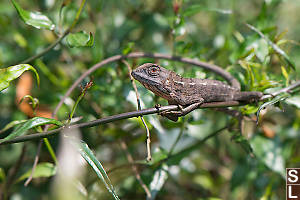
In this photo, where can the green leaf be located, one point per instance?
(35, 19)
(89, 156)
(11, 73)
(12, 124)
(42, 170)
(80, 39)
(274, 46)
(31, 123)
(159, 178)
(128, 48)
(194, 9)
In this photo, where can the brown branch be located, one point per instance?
(113, 118)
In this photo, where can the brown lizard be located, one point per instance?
(187, 93)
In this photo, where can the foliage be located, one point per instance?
(205, 155)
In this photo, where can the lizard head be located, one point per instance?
(150, 74)
(154, 78)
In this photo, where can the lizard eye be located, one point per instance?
(153, 71)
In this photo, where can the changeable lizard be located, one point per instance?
(187, 93)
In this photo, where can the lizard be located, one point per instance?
(187, 93)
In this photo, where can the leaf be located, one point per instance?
(80, 39)
(31, 123)
(194, 9)
(12, 124)
(89, 156)
(128, 48)
(159, 178)
(278, 98)
(35, 19)
(276, 48)
(44, 169)
(11, 73)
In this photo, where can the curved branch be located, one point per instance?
(214, 68)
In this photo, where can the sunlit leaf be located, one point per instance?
(276, 48)
(194, 9)
(89, 156)
(12, 124)
(35, 19)
(80, 39)
(31, 123)
(11, 73)
(42, 170)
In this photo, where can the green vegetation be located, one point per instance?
(209, 154)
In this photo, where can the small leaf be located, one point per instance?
(31, 123)
(128, 48)
(285, 74)
(80, 39)
(11, 73)
(35, 19)
(194, 9)
(42, 170)
(274, 46)
(89, 156)
(12, 124)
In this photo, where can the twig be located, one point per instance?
(36, 160)
(134, 168)
(214, 68)
(283, 90)
(148, 140)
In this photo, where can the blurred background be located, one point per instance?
(240, 160)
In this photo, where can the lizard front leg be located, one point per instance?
(173, 115)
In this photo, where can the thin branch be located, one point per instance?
(283, 90)
(214, 68)
(134, 168)
(113, 118)
(148, 140)
(36, 160)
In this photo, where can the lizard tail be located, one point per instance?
(248, 96)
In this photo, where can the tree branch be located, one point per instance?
(113, 118)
